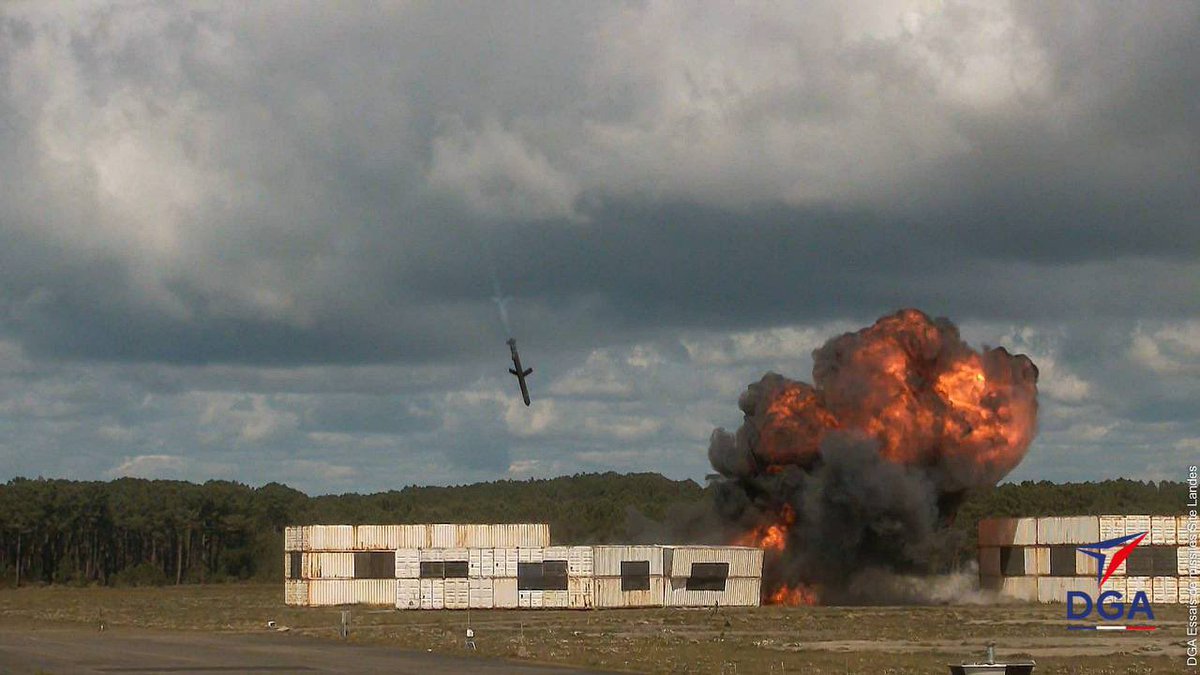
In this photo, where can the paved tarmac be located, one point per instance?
(77, 650)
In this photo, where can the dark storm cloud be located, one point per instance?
(230, 201)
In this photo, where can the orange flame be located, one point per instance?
(799, 594)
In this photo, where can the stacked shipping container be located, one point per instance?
(1038, 558)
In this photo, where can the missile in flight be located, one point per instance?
(517, 371)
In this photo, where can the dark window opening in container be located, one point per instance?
(375, 565)
(554, 575)
(294, 565)
(1140, 562)
(708, 576)
(529, 576)
(1012, 561)
(1062, 561)
(433, 570)
(635, 575)
(456, 569)
(1166, 561)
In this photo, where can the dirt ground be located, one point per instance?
(760, 640)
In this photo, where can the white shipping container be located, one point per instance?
(408, 563)
(1086, 565)
(1068, 530)
(579, 562)
(739, 592)
(580, 592)
(295, 592)
(414, 536)
(989, 561)
(521, 535)
(555, 553)
(481, 593)
(442, 535)
(530, 555)
(458, 593)
(1187, 530)
(554, 599)
(530, 599)
(474, 536)
(1137, 525)
(505, 561)
(1112, 527)
(1188, 561)
(408, 594)
(1054, 589)
(504, 592)
(327, 565)
(1189, 590)
(1162, 530)
(1017, 588)
(1008, 532)
(609, 593)
(1037, 560)
(1114, 583)
(329, 538)
(326, 592)
(608, 559)
(293, 538)
(1137, 584)
(474, 563)
(1165, 590)
(743, 561)
(377, 537)
(456, 555)
(433, 554)
(433, 593)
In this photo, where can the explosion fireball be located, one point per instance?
(862, 470)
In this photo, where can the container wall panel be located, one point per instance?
(474, 536)
(1020, 588)
(433, 555)
(556, 553)
(1137, 524)
(456, 555)
(555, 599)
(329, 592)
(1162, 530)
(408, 563)
(433, 594)
(327, 565)
(530, 599)
(1188, 565)
(1186, 530)
(743, 561)
(1037, 560)
(330, 538)
(414, 536)
(1189, 590)
(481, 592)
(408, 594)
(458, 593)
(581, 592)
(505, 561)
(1086, 565)
(579, 562)
(1113, 584)
(989, 561)
(532, 554)
(1165, 590)
(1137, 584)
(487, 563)
(1112, 527)
(443, 536)
(608, 559)
(293, 538)
(376, 537)
(1008, 532)
(475, 563)
(295, 593)
(505, 592)
(1068, 530)
(374, 592)
(739, 592)
(1054, 589)
(609, 593)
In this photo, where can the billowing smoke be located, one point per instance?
(858, 475)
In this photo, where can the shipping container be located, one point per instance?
(442, 535)
(742, 561)
(408, 594)
(376, 537)
(293, 538)
(329, 538)
(1086, 565)
(325, 592)
(408, 563)
(1137, 525)
(457, 593)
(607, 559)
(481, 593)
(522, 535)
(556, 553)
(1068, 530)
(1116, 584)
(1187, 530)
(1162, 530)
(530, 599)
(505, 562)
(456, 555)
(474, 536)
(504, 591)
(554, 599)
(1055, 589)
(738, 592)
(580, 592)
(579, 561)
(530, 555)
(432, 555)
(327, 565)
(1037, 560)
(1112, 527)
(1136, 584)
(1188, 559)
(610, 594)
(1008, 532)
(989, 561)
(433, 594)
(1189, 590)
(295, 592)
(1165, 590)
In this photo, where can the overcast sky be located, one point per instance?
(257, 241)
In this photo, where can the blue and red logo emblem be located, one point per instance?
(1109, 555)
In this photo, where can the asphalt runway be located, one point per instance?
(77, 650)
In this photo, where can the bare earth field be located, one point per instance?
(762, 640)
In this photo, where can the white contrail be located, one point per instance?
(501, 301)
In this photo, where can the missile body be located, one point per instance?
(517, 371)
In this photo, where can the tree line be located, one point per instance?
(137, 531)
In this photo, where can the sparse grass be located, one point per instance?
(762, 640)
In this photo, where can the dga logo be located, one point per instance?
(1108, 604)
